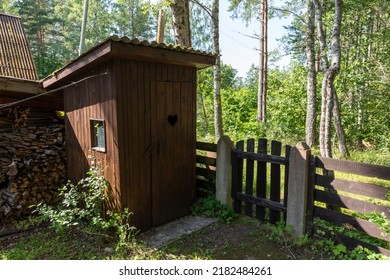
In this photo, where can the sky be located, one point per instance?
(237, 49)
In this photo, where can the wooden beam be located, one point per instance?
(46, 101)
(358, 168)
(20, 85)
(158, 54)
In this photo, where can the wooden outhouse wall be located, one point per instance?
(149, 159)
(92, 99)
(157, 159)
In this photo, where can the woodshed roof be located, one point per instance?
(15, 55)
(124, 48)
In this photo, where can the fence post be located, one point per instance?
(223, 182)
(297, 187)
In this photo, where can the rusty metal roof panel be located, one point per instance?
(15, 55)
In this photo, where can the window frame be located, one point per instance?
(94, 137)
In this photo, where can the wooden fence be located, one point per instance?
(260, 188)
(206, 163)
(257, 186)
(346, 202)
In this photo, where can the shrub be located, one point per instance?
(83, 205)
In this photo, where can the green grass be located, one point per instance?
(75, 244)
(371, 156)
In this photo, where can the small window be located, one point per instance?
(98, 135)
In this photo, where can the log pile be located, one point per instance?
(32, 164)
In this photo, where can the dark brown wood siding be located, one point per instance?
(149, 162)
(157, 159)
(93, 98)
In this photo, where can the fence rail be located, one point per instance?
(347, 202)
(260, 188)
(206, 164)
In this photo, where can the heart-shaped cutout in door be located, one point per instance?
(172, 119)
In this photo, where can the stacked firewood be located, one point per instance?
(32, 166)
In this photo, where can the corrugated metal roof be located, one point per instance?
(154, 44)
(15, 55)
(124, 48)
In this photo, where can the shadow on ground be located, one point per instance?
(244, 239)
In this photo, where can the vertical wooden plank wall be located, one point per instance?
(97, 99)
(148, 146)
(128, 101)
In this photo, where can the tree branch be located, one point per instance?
(206, 9)
(291, 12)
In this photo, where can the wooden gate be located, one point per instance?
(259, 179)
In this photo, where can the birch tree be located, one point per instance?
(217, 72)
(329, 101)
(181, 22)
(310, 130)
(263, 63)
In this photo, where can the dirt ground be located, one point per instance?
(244, 239)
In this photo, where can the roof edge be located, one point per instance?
(123, 47)
(9, 15)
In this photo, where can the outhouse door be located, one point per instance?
(173, 106)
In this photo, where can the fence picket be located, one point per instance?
(285, 194)
(250, 147)
(261, 181)
(276, 149)
(239, 172)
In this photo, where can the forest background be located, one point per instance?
(362, 84)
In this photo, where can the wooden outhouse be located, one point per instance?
(132, 105)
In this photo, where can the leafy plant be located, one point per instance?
(83, 205)
(211, 207)
(381, 220)
(323, 245)
(330, 246)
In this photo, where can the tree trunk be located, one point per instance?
(263, 64)
(265, 60)
(161, 27)
(339, 129)
(217, 72)
(83, 27)
(328, 90)
(321, 36)
(311, 75)
(323, 67)
(181, 22)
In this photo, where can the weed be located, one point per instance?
(211, 207)
(321, 245)
(83, 205)
(29, 222)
